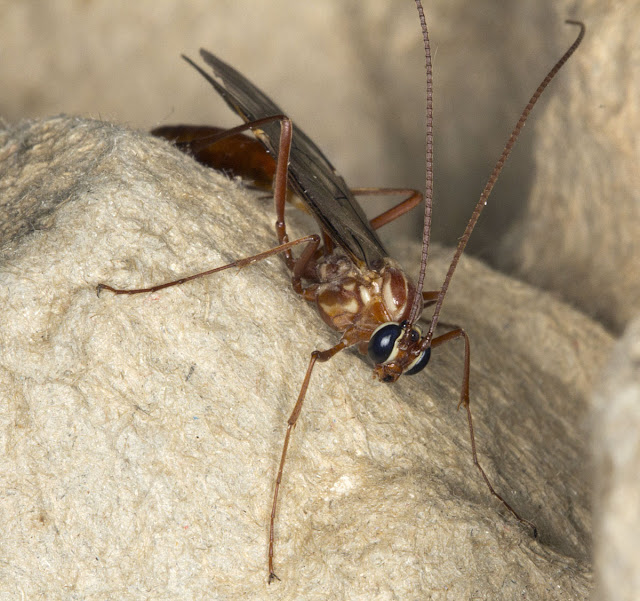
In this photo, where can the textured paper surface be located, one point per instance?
(596, 188)
(616, 448)
(140, 435)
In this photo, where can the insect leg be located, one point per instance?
(312, 240)
(413, 200)
(464, 400)
(297, 266)
(321, 356)
(280, 176)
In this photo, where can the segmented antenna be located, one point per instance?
(494, 176)
(416, 308)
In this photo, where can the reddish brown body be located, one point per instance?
(237, 155)
(356, 288)
(356, 301)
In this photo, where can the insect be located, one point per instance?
(345, 271)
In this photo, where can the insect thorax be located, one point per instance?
(348, 297)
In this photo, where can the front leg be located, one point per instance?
(321, 356)
(464, 401)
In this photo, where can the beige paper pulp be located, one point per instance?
(141, 435)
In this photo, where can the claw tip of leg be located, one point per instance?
(272, 577)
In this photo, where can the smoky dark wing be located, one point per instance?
(311, 175)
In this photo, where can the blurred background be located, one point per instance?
(350, 73)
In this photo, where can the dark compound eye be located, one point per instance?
(382, 342)
(419, 364)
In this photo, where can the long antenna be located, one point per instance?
(495, 173)
(416, 308)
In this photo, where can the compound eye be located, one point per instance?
(419, 363)
(382, 344)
